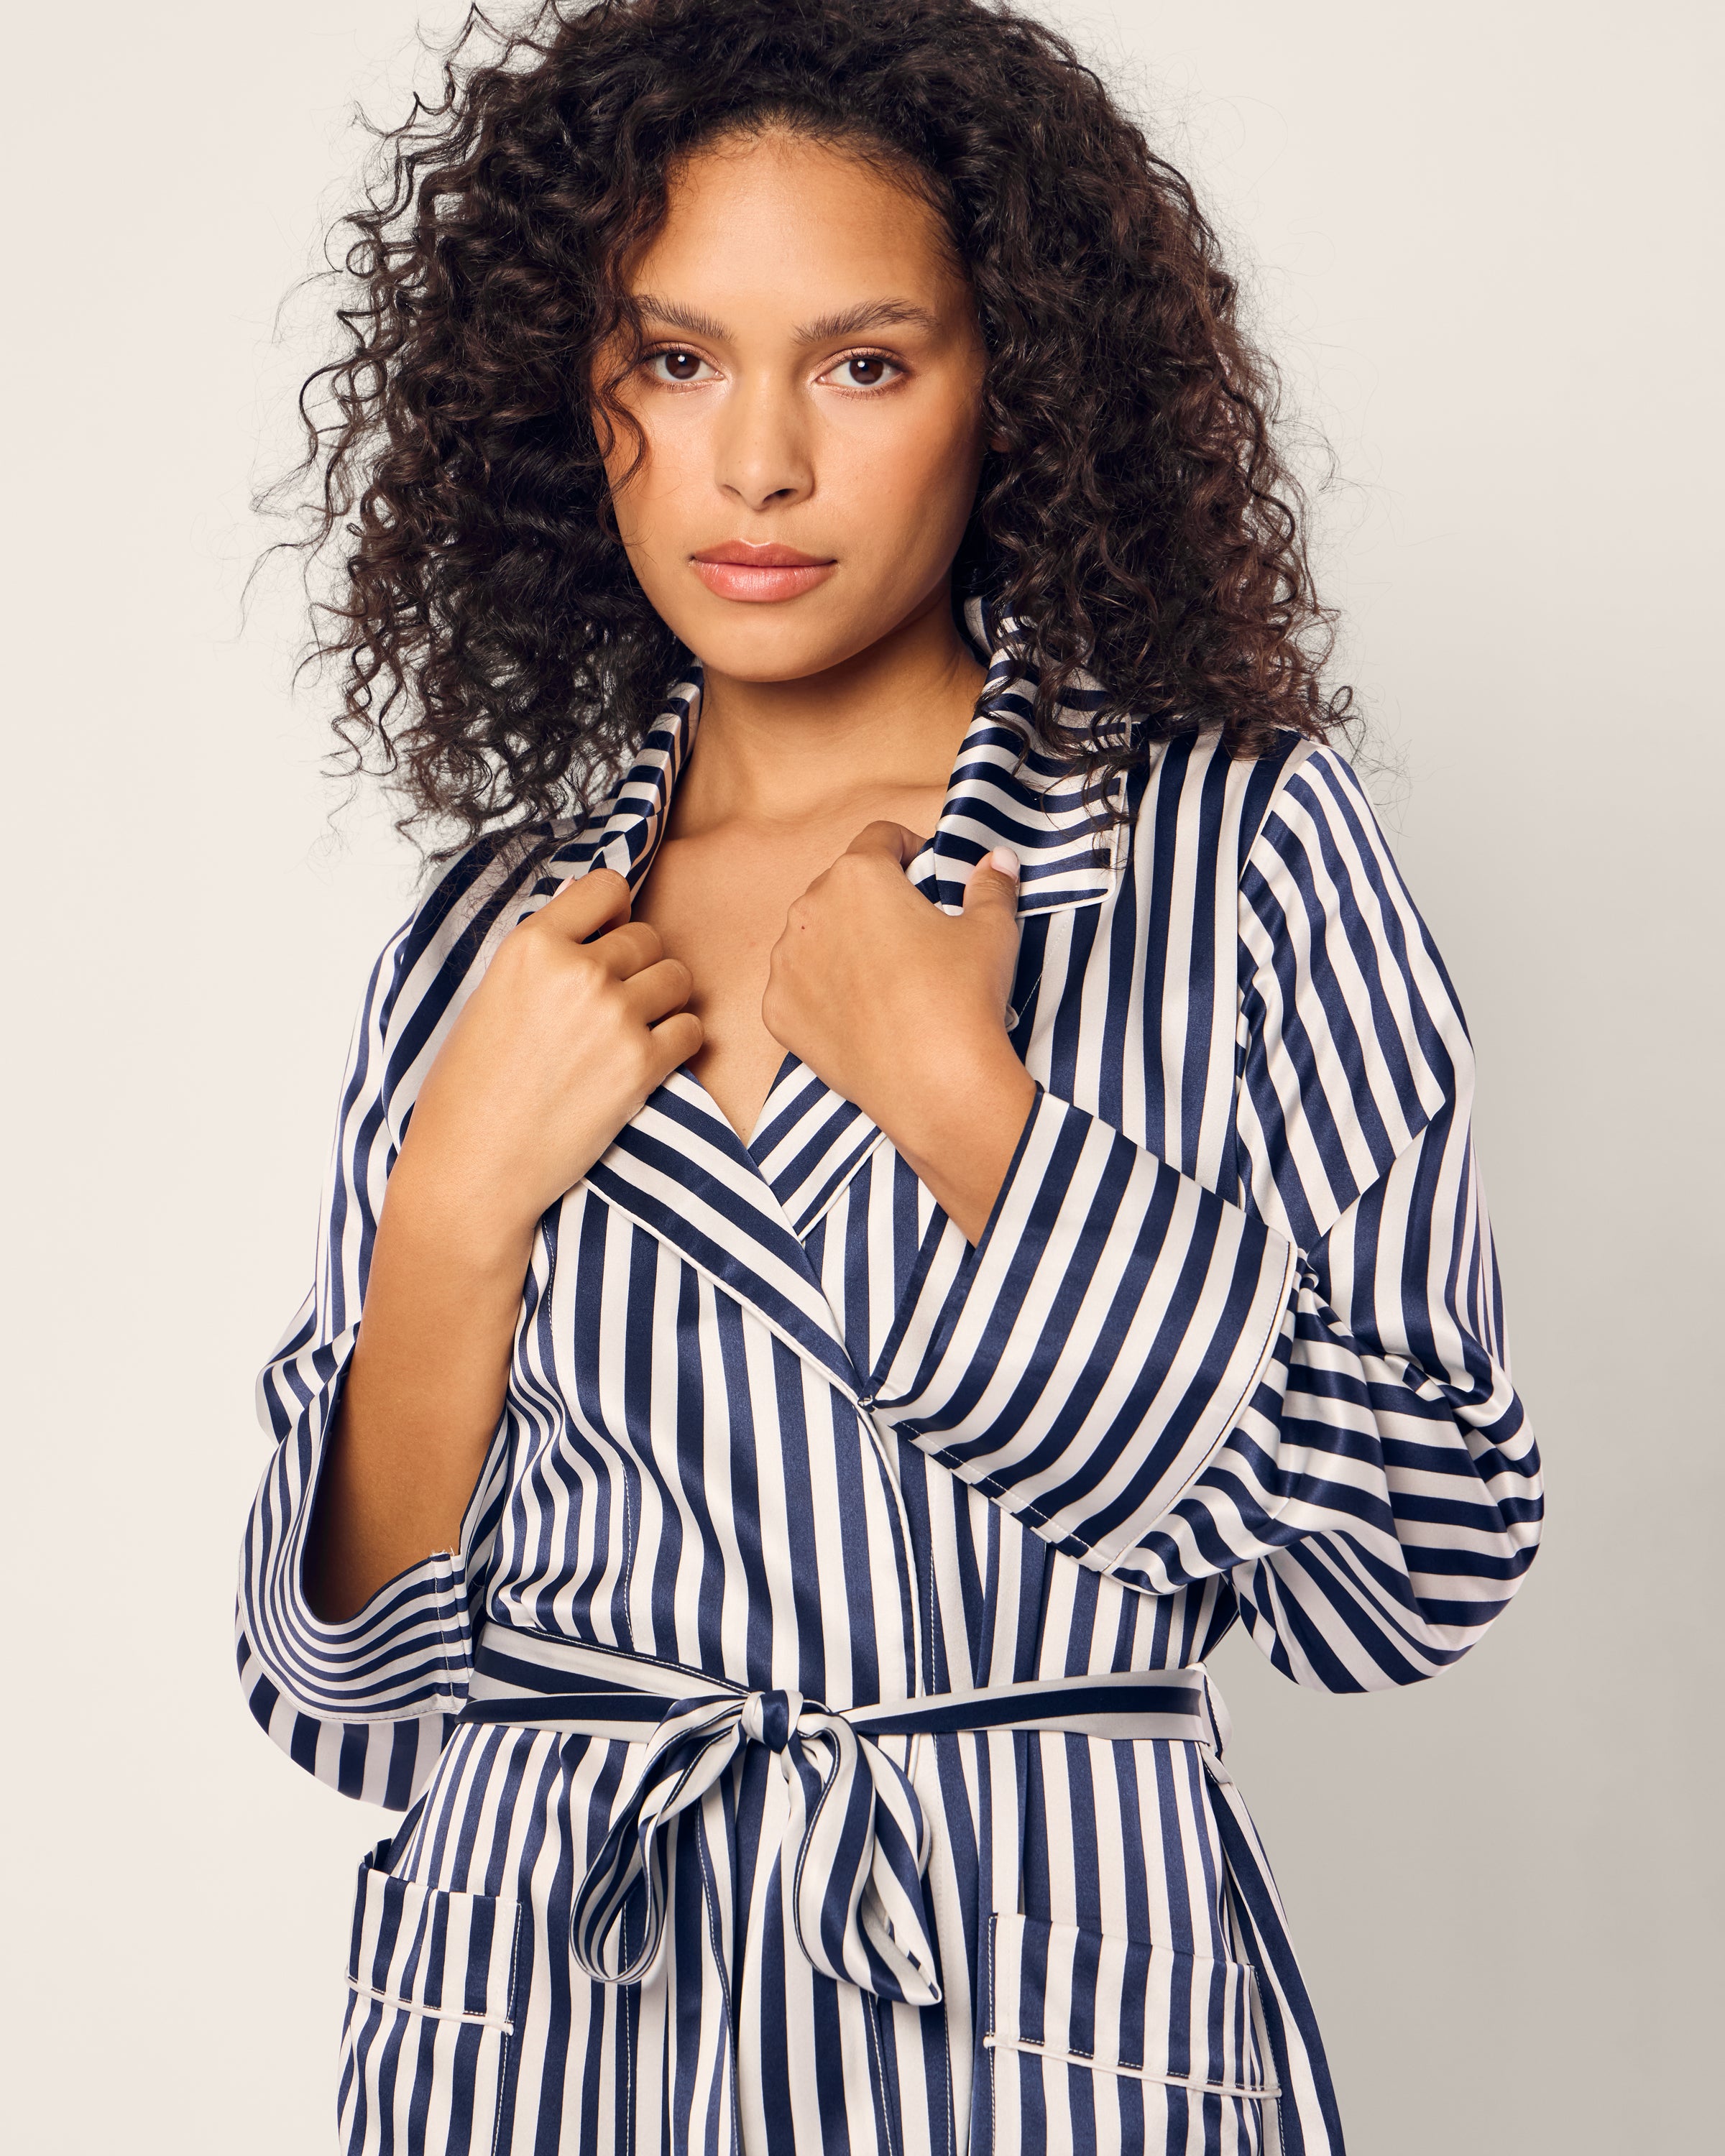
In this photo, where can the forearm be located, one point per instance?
(424, 1390)
(958, 1133)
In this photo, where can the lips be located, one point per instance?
(739, 570)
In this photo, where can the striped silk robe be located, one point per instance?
(778, 1446)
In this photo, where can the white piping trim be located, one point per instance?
(430, 2013)
(1193, 2081)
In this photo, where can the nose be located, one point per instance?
(762, 451)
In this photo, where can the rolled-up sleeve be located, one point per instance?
(1083, 1362)
(1304, 1387)
(364, 1704)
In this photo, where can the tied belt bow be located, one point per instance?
(855, 1844)
(856, 1838)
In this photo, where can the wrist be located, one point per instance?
(938, 1098)
(958, 1128)
(458, 1212)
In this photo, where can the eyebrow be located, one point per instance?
(852, 322)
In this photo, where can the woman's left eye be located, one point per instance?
(863, 370)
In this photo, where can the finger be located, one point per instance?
(674, 1040)
(893, 839)
(587, 904)
(658, 990)
(994, 886)
(628, 949)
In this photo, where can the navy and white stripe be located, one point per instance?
(1232, 1346)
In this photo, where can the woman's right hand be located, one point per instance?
(554, 1051)
(578, 1018)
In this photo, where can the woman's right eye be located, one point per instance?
(672, 364)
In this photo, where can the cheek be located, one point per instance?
(918, 482)
(644, 491)
(649, 430)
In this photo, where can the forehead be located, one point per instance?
(778, 222)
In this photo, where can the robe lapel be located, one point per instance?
(810, 1141)
(739, 1212)
(679, 1169)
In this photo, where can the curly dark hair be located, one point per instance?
(1135, 517)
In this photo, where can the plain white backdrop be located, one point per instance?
(1477, 238)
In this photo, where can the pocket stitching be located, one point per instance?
(514, 1956)
(503, 2024)
(987, 2041)
(1269, 2090)
(995, 2041)
(432, 2013)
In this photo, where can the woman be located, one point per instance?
(857, 1250)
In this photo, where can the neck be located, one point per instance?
(892, 717)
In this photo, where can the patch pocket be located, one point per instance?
(1094, 2042)
(430, 2013)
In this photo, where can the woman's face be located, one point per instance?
(810, 399)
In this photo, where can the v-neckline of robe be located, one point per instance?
(741, 1208)
(807, 1142)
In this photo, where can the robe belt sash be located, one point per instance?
(856, 1838)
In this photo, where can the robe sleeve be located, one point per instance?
(1303, 1386)
(365, 1704)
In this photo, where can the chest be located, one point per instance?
(719, 899)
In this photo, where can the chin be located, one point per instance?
(777, 648)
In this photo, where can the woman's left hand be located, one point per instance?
(902, 1008)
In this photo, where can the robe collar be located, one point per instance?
(740, 1210)
(1006, 788)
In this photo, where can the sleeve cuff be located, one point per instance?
(1082, 1364)
(406, 1652)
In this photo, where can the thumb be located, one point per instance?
(994, 886)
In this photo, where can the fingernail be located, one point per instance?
(1004, 862)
